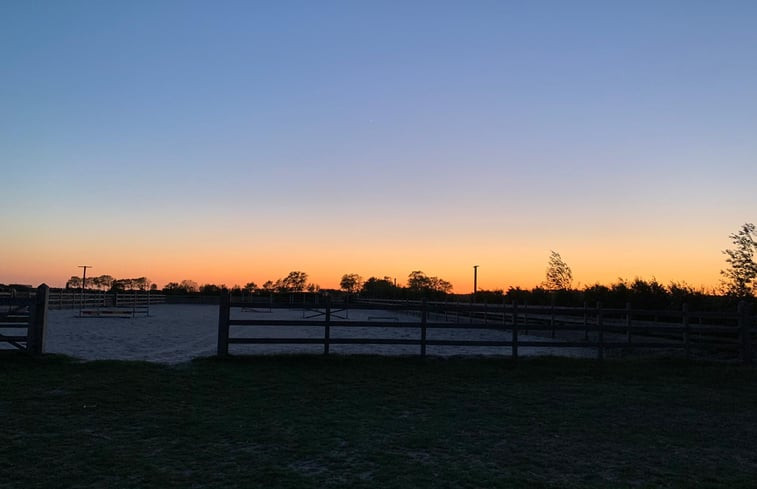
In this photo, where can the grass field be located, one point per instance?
(293, 421)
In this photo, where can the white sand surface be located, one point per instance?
(171, 334)
(178, 333)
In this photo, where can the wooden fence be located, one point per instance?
(727, 335)
(106, 304)
(23, 320)
(74, 299)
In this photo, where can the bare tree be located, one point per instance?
(559, 275)
(742, 270)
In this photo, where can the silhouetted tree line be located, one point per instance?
(738, 285)
(419, 286)
(557, 288)
(295, 281)
(110, 284)
(639, 293)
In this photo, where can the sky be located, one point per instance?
(234, 141)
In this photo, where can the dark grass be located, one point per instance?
(296, 421)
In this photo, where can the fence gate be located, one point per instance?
(23, 320)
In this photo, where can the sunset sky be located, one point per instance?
(235, 141)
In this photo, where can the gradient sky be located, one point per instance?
(233, 141)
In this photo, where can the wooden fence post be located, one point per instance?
(552, 314)
(600, 334)
(515, 330)
(685, 320)
(327, 327)
(586, 322)
(424, 319)
(746, 340)
(628, 322)
(223, 324)
(36, 333)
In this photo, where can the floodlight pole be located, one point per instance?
(83, 286)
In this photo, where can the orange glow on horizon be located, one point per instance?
(518, 266)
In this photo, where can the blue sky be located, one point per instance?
(480, 129)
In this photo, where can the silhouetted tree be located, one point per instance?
(121, 285)
(420, 284)
(294, 282)
(189, 286)
(351, 283)
(490, 296)
(681, 293)
(650, 294)
(598, 293)
(559, 274)
(96, 283)
(213, 289)
(141, 283)
(380, 288)
(73, 283)
(417, 281)
(517, 294)
(440, 285)
(104, 282)
(742, 270)
(171, 288)
(250, 288)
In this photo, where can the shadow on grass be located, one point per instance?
(373, 421)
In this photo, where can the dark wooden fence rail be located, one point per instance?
(26, 316)
(596, 327)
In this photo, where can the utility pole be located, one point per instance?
(83, 286)
(475, 279)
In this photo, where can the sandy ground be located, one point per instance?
(178, 333)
